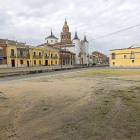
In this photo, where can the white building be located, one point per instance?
(79, 47)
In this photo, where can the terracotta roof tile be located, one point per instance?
(45, 44)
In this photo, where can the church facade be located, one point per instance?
(77, 46)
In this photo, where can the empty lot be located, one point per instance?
(92, 105)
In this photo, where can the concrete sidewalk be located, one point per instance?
(29, 70)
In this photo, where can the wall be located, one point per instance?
(120, 61)
(55, 40)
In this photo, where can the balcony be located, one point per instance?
(23, 55)
(65, 57)
(54, 57)
(37, 56)
(13, 55)
(132, 57)
(46, 56)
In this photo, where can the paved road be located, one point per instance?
(41, 75)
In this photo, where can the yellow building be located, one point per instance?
(127, 57)
(17, 54)
(21, 55)
(51, 55)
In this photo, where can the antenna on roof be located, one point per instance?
(13, 37)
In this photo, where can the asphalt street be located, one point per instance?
(47, 74)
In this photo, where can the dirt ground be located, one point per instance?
(91, 105)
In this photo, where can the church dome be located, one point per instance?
(65, 24)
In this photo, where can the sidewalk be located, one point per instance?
(29, 70)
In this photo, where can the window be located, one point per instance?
(34, 62)
(132, 55)
(113, 63)
(56, 62)
(62, 36)
(51, 40)
(21, 52)
(1, 61)
(132, 61)
(39, 62)
(39, 53)
(113, 55)
(1, 54)
(47, 41)
(55, 55)
(34, 53)
(21, 62)
(125, 56)
(51, 55)
(12, 52)
(51, 62)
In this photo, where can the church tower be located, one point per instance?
(65, 34)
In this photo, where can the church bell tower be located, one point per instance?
(65, 34)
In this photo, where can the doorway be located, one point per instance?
(27, 63)
(82, 60)
(13, 63)
(46, 62)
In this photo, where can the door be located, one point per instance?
(27, 63)
(13, 63)
(46, 62)
(82, 60)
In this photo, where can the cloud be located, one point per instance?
(31, 21)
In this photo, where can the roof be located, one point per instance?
(45, 44)
(51, 36)
(64, 50)
(131, 47)
(85, 40)
(76, 37)
(97, 53)
(63, 43)
(3, 41)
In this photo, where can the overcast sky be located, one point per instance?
(31, 21)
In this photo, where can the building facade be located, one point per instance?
(18, 54)
(127, 57)
(100, 58)
(77, 46)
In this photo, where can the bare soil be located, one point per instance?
(92, 105)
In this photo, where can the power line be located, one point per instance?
(115, 32)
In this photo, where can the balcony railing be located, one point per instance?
(54, 57)
(46, 56)
(23, 55)
(13, 55)
(65, 57)
(37, 56)
(132, 57)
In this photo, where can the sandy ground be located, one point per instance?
(92, 105)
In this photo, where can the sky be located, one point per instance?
(31, 21)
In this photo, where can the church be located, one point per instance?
(77, 46)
